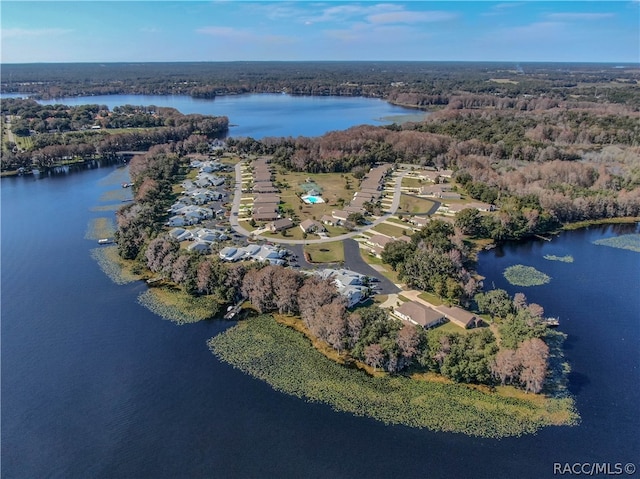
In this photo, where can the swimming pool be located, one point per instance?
(311, 199)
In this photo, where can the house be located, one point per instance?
(449, 195)
(309, 226)
(264, 215)
(459, 316)
(446, 173)
(379, 240)
(419, 221)
(264, 187)
(177, 220)
(207, 235)
(199, 247)
(266, 198)
(180, 234)
(419, 314)
(435, 190)
(280, 225)
(429, 175)
(232, 254)
(348, 283)
(478, 205)
(269, 255)
(340, 216)
(328, 220)
(209, 179)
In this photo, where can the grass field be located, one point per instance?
(431, 298)
(412, 205)
(412, 182)
(390, 230)
(333, 187)
(332, 252)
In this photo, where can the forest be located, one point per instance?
(59, 132)
(419, 84)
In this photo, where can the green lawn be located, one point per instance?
(431, 298)
(332, 252)
(412, 182)
(389, 230)
(411, 205)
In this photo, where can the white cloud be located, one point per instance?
(39, 32)
(579, 16)
(410, 17)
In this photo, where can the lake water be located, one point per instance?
(260, 115)
(94, 385)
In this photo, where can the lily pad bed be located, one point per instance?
(564, 259)
(178, 306)
(285, 360)
(521, 275)
(111, 264)
(630, 242)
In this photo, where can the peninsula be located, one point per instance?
(352, 254)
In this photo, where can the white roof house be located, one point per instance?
(199, 246)
(180, 234)
(232, 254)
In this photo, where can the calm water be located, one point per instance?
(260, 115)
(94, 385)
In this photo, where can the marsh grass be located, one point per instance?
(177, 306)
(117, 269)
(630, 242)
(282, 357)
(521, 275)
(564, 259)
(100, 228)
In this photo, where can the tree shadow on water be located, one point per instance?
(576, 382)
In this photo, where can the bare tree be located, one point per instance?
(533, 355)
(373, 355)
(505, 366)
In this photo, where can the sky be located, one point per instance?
(153, 31)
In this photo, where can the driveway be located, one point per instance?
(354, 262)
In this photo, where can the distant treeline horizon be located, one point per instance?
(379, 79)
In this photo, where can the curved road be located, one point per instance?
(235, 224)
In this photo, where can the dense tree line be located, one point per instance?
(186, 133)
(419, 84)
(436, 260)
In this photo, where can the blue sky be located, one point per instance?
(94, 31)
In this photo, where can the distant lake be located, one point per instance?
(96, 386)
(261, 115)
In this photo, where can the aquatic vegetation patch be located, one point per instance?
(107, 207)
(100, 228)
(521, 275)
(121, 194)
(564, 259)
(284, 359)
(177, 306)
(630, 242)
(112, 265)
(118, 177)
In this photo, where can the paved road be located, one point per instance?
(235, 224)
(354, 262)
